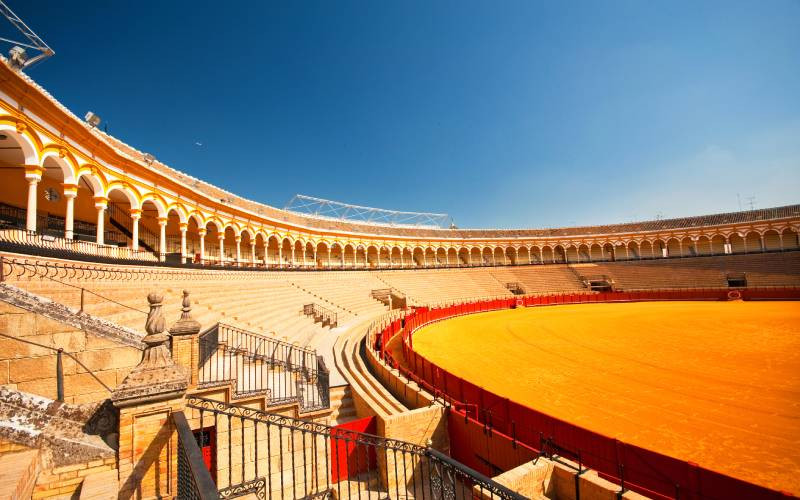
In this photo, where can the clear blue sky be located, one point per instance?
(502, 114)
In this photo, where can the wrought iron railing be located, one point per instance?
(274, 456)
(256, 364)
(321, 314)
(194, 479)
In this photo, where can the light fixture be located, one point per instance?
(92, 119)
(148, 158)
(17, 57)
(51, 194)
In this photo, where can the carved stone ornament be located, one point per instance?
(156, 377)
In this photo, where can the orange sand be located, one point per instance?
(717, 383)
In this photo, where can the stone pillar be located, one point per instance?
(33, 174)
(280, 254)
(136, 214)
(253, 252)
(146, 400)
(221, 238)
(100, 203)
(70, 193)
(185, 343)
(202, 233)
(183, 227)
(162, 238)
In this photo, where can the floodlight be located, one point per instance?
(92, 119)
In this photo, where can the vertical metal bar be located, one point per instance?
(327, 464)
(255, 445)
(305, 483)
(396, 478)
(280, 456)
(82, 298)
(59, 376)
(269, 461)
(358, 470)
(230, 452)
(335, 449)
(294, 469)
(242, 421)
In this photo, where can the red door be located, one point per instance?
(348, 457)
(207, 441)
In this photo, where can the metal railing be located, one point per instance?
(194, 479)
(255, 364)
(321, 314)
(271, 456)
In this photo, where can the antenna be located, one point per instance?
(751, 200)
(17, 56)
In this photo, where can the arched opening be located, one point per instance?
(621, 251)
(703, 245)
(596, 252)
(299, 254)
(463, 257)
(475, 256)
(536, 255)
(122, 204)
(397, 260)
(386, 258)
(361, 256)
(311, 255)
(419, 257)
(583, 253)
(148, 227)
(430, 257)
(408, 258)
(737, 243)
(511, 256)
(752, 242)
(674, 248)
(441, 256)
(523, 256)
(688, 248)
(633, 250)
(572, 254)
(245, 248)
(547, 255)
(51, 202)
(499, 256)
(559, 254)
(261, 249)
(717, 244)
(772, 241)
(211, 243)
(372, 256)
(172, 231)
(790, 239)
(608, 252)
(488, 256)
(323, 257)
(349, 256)
(16, 151)
(287, 259)
(193, 240)
(337, 255)
(273, 250)
(646, 250)
(229, 246)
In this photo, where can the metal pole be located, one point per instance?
(59, 376)
(82, 299)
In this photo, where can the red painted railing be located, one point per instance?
(517, 432)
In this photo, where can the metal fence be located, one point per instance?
(259, 365)
(274, 456)
(194, 478)
(321, 314)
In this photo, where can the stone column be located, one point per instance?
(238, 240)
(33, 174)
(146, 400)
(221, 238)
(202, 233)
(185, 343)
(100, 203)
(162, 238)
(70, 193)
(136, 214)
(183, 227)
(253, 252)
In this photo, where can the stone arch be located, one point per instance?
(396, 257)
(418, 256)
(323, 255)
(441, 256)
(634, 251)
(52, 159)
(536, 255)
(29, 148)
(559, 254)
(548, 255)
(752, 241)
(408, 257)
(572, 253)
(511, 255)
(487, 256)
(372, 256)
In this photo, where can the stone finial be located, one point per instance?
(156, 376)
(187, 325)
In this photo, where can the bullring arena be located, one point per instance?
(163, 338)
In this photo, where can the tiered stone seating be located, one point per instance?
(539, 279)
(767, 269)
(348, 291)
(430, 286)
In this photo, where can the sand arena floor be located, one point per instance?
(717, 383)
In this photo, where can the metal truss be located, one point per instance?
(34, 42)
(318, 207)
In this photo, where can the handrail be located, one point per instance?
(325, 314)
(194, 479)
(35, 272)
(59, 366)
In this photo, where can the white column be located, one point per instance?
(202, 233)
(183, 228)
(69, 220)
(280, 254)
(221, 238)
(135, 216)
(253, 253)
(33, 182)
(162, 238)
(238, 240)
(100, 204)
